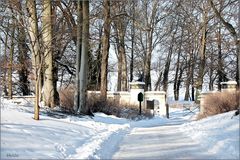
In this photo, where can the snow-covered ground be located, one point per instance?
(219, 134)
(100, 137)
(67, 137)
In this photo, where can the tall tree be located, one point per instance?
(105, 48)
(22, 54)
(220, 69)
(179, 70)
(84, 59)
(48, 91)
(120, 26)
(151, 20)
(202, 53)
(10, 65)
(36, 53)
(169, 57)
(78, 60)
(132, 40)
(189, 72)
(5, 60)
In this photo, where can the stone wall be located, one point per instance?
(131, 97)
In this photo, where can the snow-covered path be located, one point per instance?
(160, 142)
(163, 141)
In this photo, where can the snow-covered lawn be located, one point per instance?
(219, 134)
(99, 137)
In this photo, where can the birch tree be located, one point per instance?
(202, 53)
(48, 92)
(36, 53)
(78, 50)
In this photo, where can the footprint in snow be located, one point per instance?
(61, 149)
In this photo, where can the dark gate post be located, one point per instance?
(140, 99)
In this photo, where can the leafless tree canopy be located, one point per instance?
(169, 44)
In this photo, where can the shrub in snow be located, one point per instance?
(111, 107)
(221, 102)
(67, 99)
(96, 104)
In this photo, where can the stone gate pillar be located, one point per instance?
(135, 88)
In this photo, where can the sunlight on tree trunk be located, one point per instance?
(84, 59)
(48, 91)
(105, 49)
(35, 49)
(78, 59)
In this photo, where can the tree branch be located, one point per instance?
(228, 26)
(70, 71)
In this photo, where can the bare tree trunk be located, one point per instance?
(166, 70)
(187, 94)
(157, 85)
(176, 75)
(56, 50)
(147, 64)
(199, 82)
(151, 22)
(132, 41)
(99, 57)
(120, 26)
(167, 65)
(168, 61)
(84, 59)
(22, 56)
(119, 79)
(78, 60)
(189, 74)
(124, 74)
(177, 78)
(211, 70)
(35, 49)
(105, 51)
(220, 69)
(5, 62)
(192, 82)
(124, 60)
(179, 82)
(119, 56)
(10, 65)
(48, 92)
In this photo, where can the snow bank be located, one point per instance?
(219, 134)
